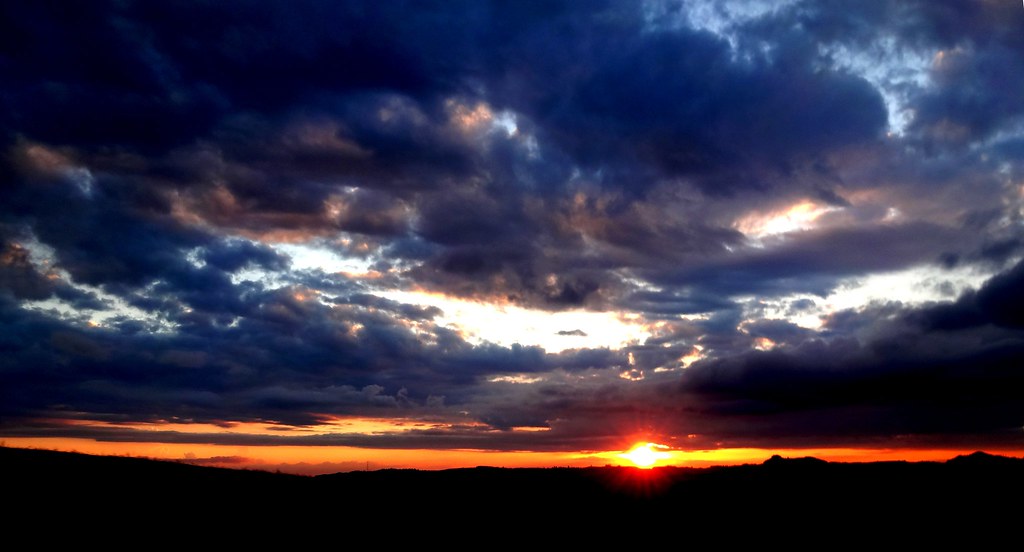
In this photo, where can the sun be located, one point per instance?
(645, 455)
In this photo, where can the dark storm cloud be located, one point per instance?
(20, 278)
(931, 376)
(842, 392)
(115, 233)
(976, 72)
(408, 312)
(999, 302)
(138, 74)
(974, 48)
(779, 331)
(259, 355)
(679, 101)
(230, 256)
(310, 102)
(669, 303)
(810, 263)
(557, 155)
(93, 75)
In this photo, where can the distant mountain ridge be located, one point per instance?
(884, 496)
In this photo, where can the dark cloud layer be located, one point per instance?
(714, 170)
(935, 375)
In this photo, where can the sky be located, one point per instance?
(323, 236)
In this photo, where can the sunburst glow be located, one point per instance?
(646, 455)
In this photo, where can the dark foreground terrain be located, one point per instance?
(977, 497)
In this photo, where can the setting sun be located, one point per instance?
(645, 455)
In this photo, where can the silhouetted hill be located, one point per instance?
(775, 500)
(790, 463)
(983, 459)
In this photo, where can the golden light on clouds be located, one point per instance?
(517, 378)
(695, 354)
(763, 344)
(802, 215)
(469, 118)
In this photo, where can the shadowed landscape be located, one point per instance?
(777, 495)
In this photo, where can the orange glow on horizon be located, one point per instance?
(315, 460)
(306, 460)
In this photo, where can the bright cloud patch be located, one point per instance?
(508, 324)
(794, 218)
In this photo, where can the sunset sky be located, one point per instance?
(324, 236)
